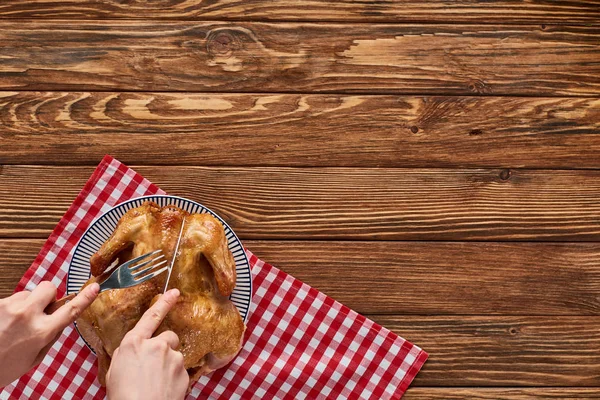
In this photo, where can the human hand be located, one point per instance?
(146, 367)
(27, 333)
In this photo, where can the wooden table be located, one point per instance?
(434, 165)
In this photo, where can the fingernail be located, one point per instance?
(174, 292)
(95, 288)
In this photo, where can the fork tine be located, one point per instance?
(148, 269)
(150, 276)
(140, 258)
(140, 265)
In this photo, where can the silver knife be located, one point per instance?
(174, 256)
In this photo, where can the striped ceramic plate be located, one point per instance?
(102, 228)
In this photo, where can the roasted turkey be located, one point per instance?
(208, 324)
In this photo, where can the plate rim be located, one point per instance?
(166, 196)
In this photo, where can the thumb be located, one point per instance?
(107, 377)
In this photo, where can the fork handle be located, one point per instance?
(55, 305)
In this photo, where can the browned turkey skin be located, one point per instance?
(208, 324)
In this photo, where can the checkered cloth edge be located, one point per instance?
(299, 343)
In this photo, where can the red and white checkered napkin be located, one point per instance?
(299, 342)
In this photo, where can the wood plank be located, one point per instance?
(446, 278)
(291, 57)
(503, 351)
(418, 277)
(385, 131)
(15, 257)
(500, 11)
(341, 203)
(418, 393)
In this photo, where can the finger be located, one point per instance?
(16, 301)
(45, 350)
(107, 376)
(152, 318)
(24, 295)
(42, 295)
(170, 337)
(183, 384)
(104, 361)
(68, 313)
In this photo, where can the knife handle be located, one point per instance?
(55, 305)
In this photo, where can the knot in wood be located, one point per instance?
(144, 63)
(222, 44)
(505, 174)
(478, 86)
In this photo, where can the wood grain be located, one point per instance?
(341, 203)
(291, 57)
(266, 129)
(294, 129)
(420, 393)
(502, 11)
(418, 277)
(446, 278)
(503, 351)
(15, 257)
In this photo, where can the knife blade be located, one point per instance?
(174, 256)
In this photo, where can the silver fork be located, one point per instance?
(130, 273)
